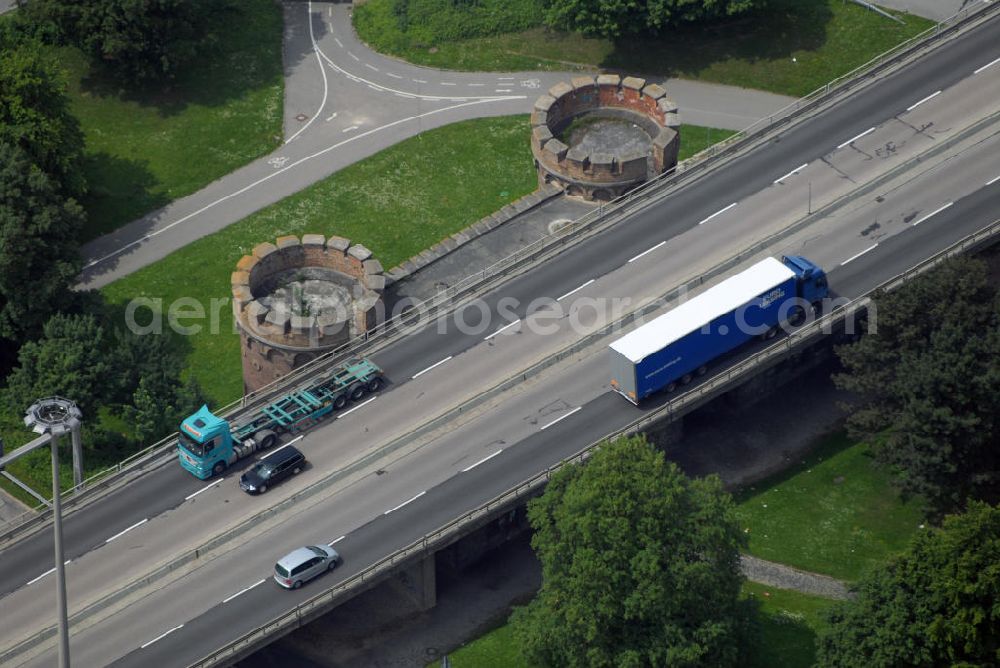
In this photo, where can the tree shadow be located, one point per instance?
(774, 32)
(119, 190)
(233, 60)
(779, 638)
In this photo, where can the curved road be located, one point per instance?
(343, 103)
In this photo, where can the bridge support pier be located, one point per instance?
(419, 583)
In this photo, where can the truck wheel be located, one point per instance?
(670, 387)
(339, 402)
(375, 384)
(357, 391)
(702, 370)
(685, 379)
(218, 468)
(771, 333)
(266, 439)
(798, 316)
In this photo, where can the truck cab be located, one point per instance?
(205, 444)
(810, 277)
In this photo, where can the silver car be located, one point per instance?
(303, 564)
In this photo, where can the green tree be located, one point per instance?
(136, 39)
(158, 405)
(934, 605)
(70, 360)
(35, 114)
(929, 381)
(618, 18)
(39, 252)
(640, 566)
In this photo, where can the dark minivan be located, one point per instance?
(271, 469)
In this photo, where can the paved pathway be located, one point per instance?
(344, 102)
(785, 577)
(936, 10)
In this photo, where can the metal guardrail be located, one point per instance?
(819, 327)
(452, 296)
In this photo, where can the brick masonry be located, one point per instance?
(600, 175)
(274, 341)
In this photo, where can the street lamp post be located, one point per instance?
(56, 416)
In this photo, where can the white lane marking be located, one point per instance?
(353, 56)
(161, 636)
(336, 540)
(559, 299)
(394, 76)
(322, 70)
(203, 489)
(646, 252)
(718, 213)
(339, 43)
(506, 78)
(291, 442)
(371, 67)
(467, 103)
(432, 366)
(476, 84)
(406, 95)
(48, 572)
(448, 83)
(331, 116)
(507, 326)
(351, 410)
(993, 180)
(989, 64)
(856, 137)
(337, 68)
(484, 459)
(503, 90)
(125, 531)
(404, 503)
(243, 591)
(794, 171)
(560, 419)
(933, 213)
(855, 257)
(350, 129)
(920, 102)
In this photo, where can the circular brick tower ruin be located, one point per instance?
(295, 299)
(600, 136)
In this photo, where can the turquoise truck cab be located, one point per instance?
(204, 442)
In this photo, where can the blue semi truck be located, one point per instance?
(678, 345)
(208, 444)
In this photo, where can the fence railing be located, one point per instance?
(819, 327)
(451, 297)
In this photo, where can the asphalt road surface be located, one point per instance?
(344, 102)
(549, 417)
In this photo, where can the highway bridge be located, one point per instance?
(167, 569)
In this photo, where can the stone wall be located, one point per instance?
(601, 175)
(275, 340)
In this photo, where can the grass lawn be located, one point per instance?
(835, 513)
(397, 202)
(826, 38)
(787, 626)
(146, 148)
(788, 622)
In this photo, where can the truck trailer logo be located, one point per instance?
(663, 368)
(771, 297)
